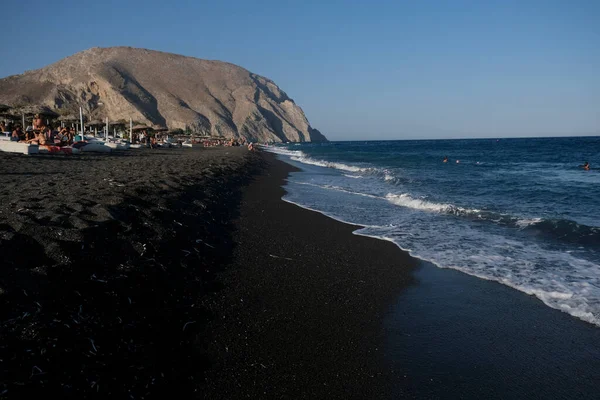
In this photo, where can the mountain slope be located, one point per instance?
(152, 87)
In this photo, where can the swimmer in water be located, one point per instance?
(586, 166)
(445, 159)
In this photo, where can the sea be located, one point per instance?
(521, 212)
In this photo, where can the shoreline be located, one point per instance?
(455, 335)
(193, 275)
(309, 297)
(436, 265)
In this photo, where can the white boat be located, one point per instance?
(17, 147)
(118, 145)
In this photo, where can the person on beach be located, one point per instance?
(18, 134)
(38, 138)
(29, 134)
(586, 166)
(64, 137)
(3, 127)
(37, 122)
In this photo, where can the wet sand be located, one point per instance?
(303, 304)
(452, 335)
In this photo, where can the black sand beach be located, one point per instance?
(149, 274)
(106, 260)
(305, 298)
(140, 274)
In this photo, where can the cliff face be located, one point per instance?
(210, 97)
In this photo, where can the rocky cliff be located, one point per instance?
(152, 87)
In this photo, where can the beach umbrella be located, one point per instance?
(10, 114)
(140, 127)
(72, 118)
(159, 128)
(30, 110)
(69, 117)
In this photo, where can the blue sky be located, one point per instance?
(360, 70)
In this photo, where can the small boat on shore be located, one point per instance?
(120, 145)
(8, 146)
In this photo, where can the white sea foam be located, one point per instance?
(284, 151)
(329, 164)
(559, 279)
(405, 200)
(353, 176)
(525, 222)
(301, 157)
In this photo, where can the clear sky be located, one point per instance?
(359, 69)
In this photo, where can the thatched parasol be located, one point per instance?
(69, 117)
(4, 108)
(141, 128)
(159, 128)
(30, 110)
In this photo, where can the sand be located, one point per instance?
(145, 273)
(303, 303)
(105, 259)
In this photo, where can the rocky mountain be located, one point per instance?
(152, 87)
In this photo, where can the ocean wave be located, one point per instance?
(329, 164)
(566, 231)
(525, 222)
(559, 230)
(382, 173)
(284, 151)
(301, 157)
(405, 200)
(562, 230)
